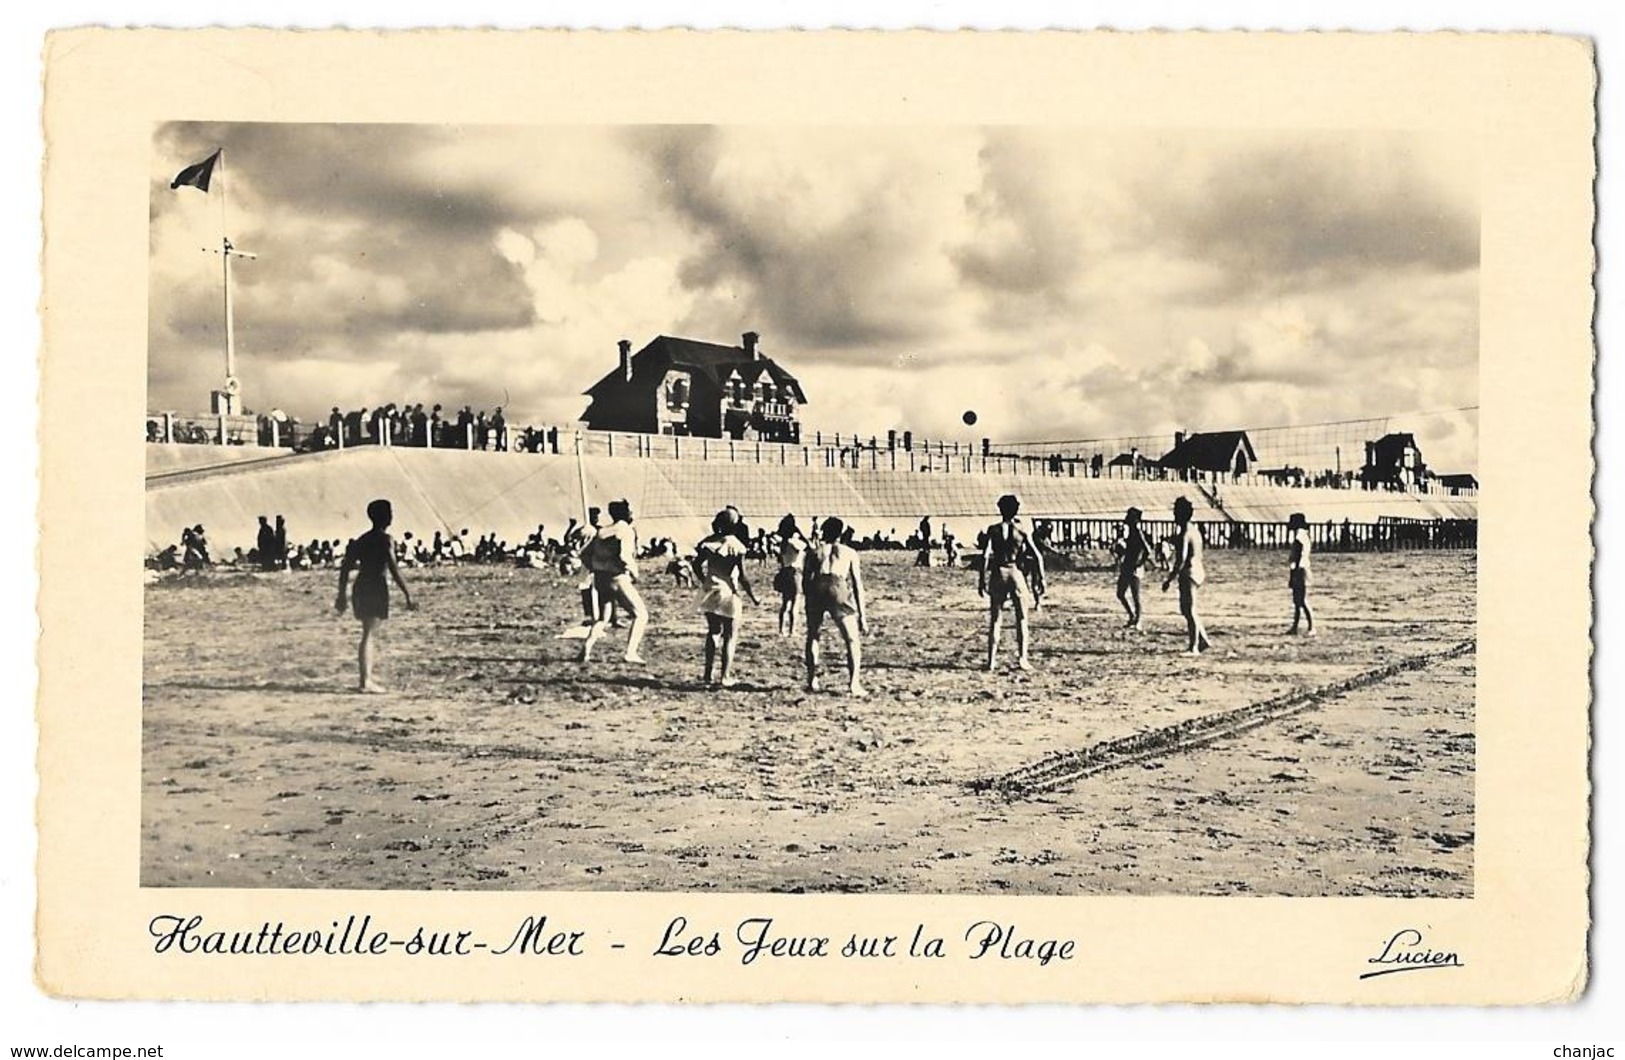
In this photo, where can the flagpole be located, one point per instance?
(231, 350)
(581, 478)
(200, 176)
(220, 153)
(225, 259)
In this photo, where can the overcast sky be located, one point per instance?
(1062, 283)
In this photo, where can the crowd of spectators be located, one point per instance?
(400, 425)
(191, 554)
(272, 551)
(411, 426)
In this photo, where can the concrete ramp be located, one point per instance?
(325, 495)
(170, 459)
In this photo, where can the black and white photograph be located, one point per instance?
(938, 519)
(1032, 510)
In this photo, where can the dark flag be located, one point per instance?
(197, 175)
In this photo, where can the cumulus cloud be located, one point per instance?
(1059, 282)
(1315, 211)
(837, 237)
(1050, 210)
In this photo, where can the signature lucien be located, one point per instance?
(1404, 952)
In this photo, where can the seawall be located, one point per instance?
(325, 495)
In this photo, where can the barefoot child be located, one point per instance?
(1190, 572)
(1297, 538)
(833, 586)
(612, 556)
(787, 581)
(719, 562)
(1136, 554)
(592, 606)
(371, 555)
(1009, 558)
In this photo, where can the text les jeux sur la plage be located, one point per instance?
(750, 941)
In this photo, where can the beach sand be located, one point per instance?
(497, 762)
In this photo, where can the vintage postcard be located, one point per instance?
(816, 516)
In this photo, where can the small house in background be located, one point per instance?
(1456, 485)
(1216, 452)
(700, 389)
(1132, 464)
(1394, 462)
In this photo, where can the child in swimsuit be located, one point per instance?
(611, 555)
(833, 586)
(787, 581)
(371, 556)
(719, 562)
(1297, 579)
(1190, 573)
(1136, 554)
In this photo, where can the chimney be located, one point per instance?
(626, 359)
(1179, 439)
(750, 339)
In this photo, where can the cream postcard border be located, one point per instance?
(1528, 100)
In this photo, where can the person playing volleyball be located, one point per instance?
(719, 561)
(371, 556)
(611, 555)
(1136, 554)
(833, 586)
(793, 548)
(1009, 559)
(1190, 572)
(1297, 578)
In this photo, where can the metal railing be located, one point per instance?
(848, 452)
(215, 429)
(1384, 535)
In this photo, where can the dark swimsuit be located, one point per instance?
(369, 596)
(1135, 556)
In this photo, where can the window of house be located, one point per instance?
(677, 392)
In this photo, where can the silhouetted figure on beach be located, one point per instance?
(1297, 579)
(265, 545)
(371, 556)
(1009, 560)
(792, 558)
(1136, 555)
(280, 536)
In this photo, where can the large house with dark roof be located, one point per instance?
(700, 389)
(1216, 452)
(1394, 461)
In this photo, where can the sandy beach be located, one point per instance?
(496, 761)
